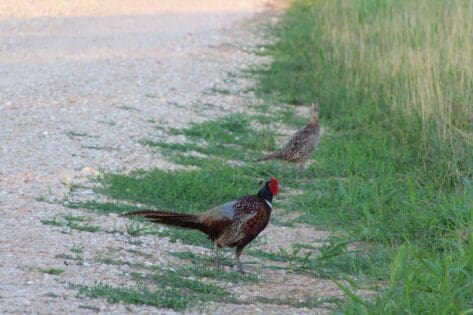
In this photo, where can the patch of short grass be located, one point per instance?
(204, 267)
(97, 147)
(71, 222)
(90, 308)
(231, 137)
(77, 257)
(332, 260)
(196, 259)
(128, 108)
(101, 207)
(51, 271)
(188, 191)
(215, 274)
(174, 289)
(166, 297)
(306, 302)
(138, 227)
(217, 90)
(196, 289)
(75, 134)
(118, 262)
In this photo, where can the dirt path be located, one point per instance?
(81, 82)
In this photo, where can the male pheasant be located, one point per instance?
(233, 224)
(301, 144)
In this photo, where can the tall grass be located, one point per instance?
(404, 65)
(395, 82)
(412, 56)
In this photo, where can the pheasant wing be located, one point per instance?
(295, 147)
(235, 232)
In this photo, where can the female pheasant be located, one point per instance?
(233, 224)
(301, 144)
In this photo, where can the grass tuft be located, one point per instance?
(70, 222)
(175, 289)
(51, 271)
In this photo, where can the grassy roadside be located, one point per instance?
(393, 169)
(221, 153)
(394, 81)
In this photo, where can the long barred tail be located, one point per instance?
(275, 155)
(189, 221)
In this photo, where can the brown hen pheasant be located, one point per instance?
(301, 144)
(233, 224)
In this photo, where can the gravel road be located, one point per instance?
(81, 83)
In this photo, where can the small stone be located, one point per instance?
(89, 171)
(86, 192)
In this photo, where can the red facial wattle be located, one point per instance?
(273, 186)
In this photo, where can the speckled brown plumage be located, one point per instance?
(233, 224)
(299, 148)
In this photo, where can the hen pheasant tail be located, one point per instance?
(275, 155)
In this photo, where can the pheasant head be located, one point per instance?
(269, 189)
(314, 115)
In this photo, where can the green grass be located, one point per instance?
(117, 262)
(129, 108)
(73, 134)
(195, 259)
(90, 308)
(77, 257)
(137, 228)
(176, 288)
(216, 90)
(307, 302)
(214, 274)
(196, 289)
(70, 222)
(332, 260)
(166, 297)
(187, 191)
(101, 207)
(51, 271)
(230, 137)
(393, 78)
(202, 266)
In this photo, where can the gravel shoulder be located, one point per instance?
(81, 83)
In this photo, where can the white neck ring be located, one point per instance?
(269, 204)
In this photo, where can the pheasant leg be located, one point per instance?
(300, 167)
(237, 256)
(217, 260)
